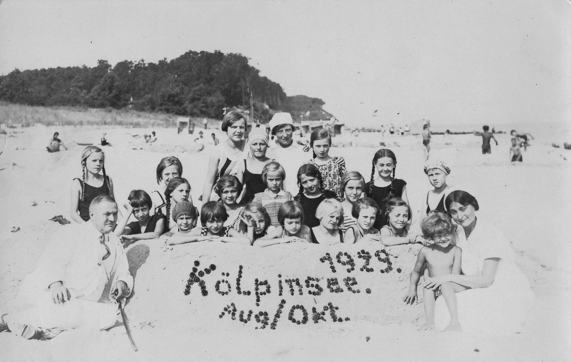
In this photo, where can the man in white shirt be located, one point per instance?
(289, 154)
(79, 280)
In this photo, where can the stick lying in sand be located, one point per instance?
(126, 324)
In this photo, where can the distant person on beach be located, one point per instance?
(383, 185)
(442, 257)
(215, 140)
(289, 154)
(205, 123)
(79, 280)
(104, 141)
(145, 226)
(522, 137)
(515, 151)
(426, 135)
(228, 154)
(153, 137)
(168, 168)
(93, 182)
(487, 136)
(55, 144)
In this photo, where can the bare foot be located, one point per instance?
(453, 327)
(426, 327)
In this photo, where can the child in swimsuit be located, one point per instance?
(145, 226)
(168, 168)
(94, 182)
(365, 211)
(437, 171)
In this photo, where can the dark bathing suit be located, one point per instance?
(314, 239)
(254, 184)
(381, 195)
(89, 193)
(440, 207)
(151, 224)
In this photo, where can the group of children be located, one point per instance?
(331, 206)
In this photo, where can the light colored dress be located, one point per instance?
(500, 309)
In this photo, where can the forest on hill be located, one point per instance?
(197, 84)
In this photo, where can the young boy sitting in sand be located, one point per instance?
(145, 226)
(440, 258)
(184, 214)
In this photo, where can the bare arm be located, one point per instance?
(482, 280)
(74, 205)
(389, 240)
(404, 196)
(457, 265)
(411, 296)
(495, 140)
(210, 176)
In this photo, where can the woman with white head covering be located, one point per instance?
(285, 151)
(249, 171)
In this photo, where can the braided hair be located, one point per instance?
(173, 184)
(310, 170)
(317, 135)
(88, 151)
(383, 152)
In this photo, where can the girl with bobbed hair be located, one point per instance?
(227, 154)
(493, 294)
(168, 168)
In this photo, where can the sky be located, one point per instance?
(454, 62)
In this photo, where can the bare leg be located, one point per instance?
(449, 294)
(429, 301)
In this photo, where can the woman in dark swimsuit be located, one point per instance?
(249, 172)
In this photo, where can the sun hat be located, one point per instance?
(183, 208)
(258, 133)
(280, 119)
(438, 164)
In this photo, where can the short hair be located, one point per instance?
(463, 198)
(225, 182)
(327, 207)
(255, 207)
(139, 198)
(184, 208)
(394, 203)
(100, 199)
(486, 128)
(437, 224)
(365, 202)
(352, 176)
(290, 210)
(319, 134)
(271, 167)
(166, 162)
(232, 117)
(213, 211)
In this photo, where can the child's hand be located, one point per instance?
(128, 208)
(372, 238)
(126, 240)
(411, 297)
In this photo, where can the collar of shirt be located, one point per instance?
(281, 194)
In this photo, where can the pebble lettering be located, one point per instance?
(203, 282)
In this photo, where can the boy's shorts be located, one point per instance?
(486, 149)
(517, 158)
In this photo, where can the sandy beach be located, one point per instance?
(529, 202)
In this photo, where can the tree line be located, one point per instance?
(197, 84)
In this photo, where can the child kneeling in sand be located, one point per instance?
(440, 258)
